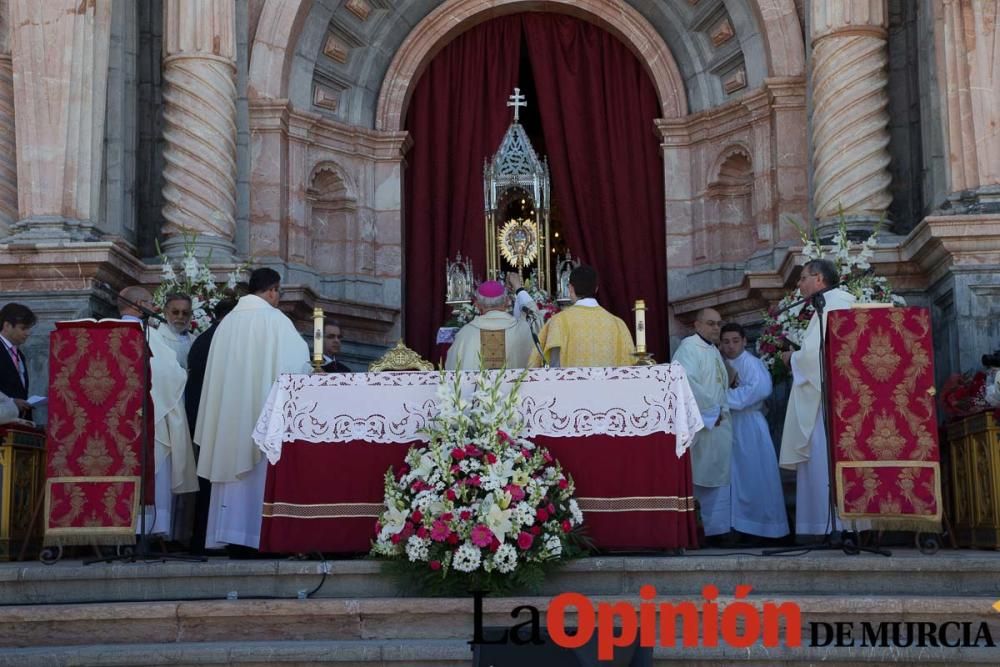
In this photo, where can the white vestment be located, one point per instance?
(8, 409)
(753, 502)
(252, 346)
(179, 343)
(173, 455)
(803, 441)
(711, 450)
(464, 352)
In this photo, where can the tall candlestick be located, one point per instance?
(640, 325)
(317, 338)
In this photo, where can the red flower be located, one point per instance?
(495, 544)
(457, 454)
(452, 539)
(542, 515)
(421, 532)
(473, 480)
(416, 516)
(450, 494)
(481, 535)
(551, 508)
(447, 516)
(535, 530)
(524, 541)
(566, 526)
(502, 435)
(563, 483)
(472, 450)
(516, 492)
(395, 538)
(465, 515)
(491, 458)
(439, 531)
(435, 564)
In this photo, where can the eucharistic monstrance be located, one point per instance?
(516, 189)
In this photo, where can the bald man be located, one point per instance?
(173, 453)
(712, 448)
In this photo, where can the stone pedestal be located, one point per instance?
(199, 71)
(849, 120)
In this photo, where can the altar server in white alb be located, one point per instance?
(757, 505)
(494, 335)
(173, 455)
(711, 450)
(803, 442)
(253, 345)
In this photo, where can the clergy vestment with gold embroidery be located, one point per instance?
(586, 335)
(515, 340)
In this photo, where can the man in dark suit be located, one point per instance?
(331, 348)
(16, 322)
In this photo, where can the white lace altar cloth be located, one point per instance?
(396, 407)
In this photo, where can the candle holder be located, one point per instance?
(643, 358)
(317, 356)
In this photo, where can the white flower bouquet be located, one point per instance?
(785, 331)
(193, 279)
(478, 506)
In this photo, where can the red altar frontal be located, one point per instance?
(622, 433)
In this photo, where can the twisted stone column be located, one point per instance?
(199, 72)
(8, 152)
(849, 119)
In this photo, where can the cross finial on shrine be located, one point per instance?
(516, 100)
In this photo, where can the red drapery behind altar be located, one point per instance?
(456, 119)
(883, 418)
(597, 107)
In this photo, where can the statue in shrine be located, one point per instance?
(458, 280)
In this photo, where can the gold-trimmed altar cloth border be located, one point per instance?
(637, 504)
(322, 510)
(934, 519)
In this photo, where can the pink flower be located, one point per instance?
(547, 456)
(491, 458)
(516, 492)
(551, 508)
(457, 454)
(481, 535)
(472, 450)
(525, 453)
(435, 565)
(524, 541)
(502, 435)
(465, 515)
(455, 469)
(440, 531)
(566, 526)
(542, 515)
(473, 480)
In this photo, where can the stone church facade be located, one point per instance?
(274, 129)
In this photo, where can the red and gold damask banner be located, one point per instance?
(883, 419)
(96, 383)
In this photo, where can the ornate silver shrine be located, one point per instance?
(521, 242)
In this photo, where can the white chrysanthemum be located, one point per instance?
(524, 514)
(505, 558)
(467, 558)
(417, 548)
(575, 512)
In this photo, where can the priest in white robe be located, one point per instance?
(494, 335)
(173, 455)
(711, 450)
(756, 501)
(252, 346)
(803, 441)
(176, 333)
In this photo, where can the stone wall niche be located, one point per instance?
(333, 204)
(728, 223)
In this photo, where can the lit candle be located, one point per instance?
(640, 325)
(318, 336)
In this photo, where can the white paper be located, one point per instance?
(35, 401)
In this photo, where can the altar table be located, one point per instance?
(622, 433)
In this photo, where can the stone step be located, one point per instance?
(448, 653)
(907, 572)
(189, 622)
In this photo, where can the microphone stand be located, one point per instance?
(141, 551)
(532, 321)
(850, 547)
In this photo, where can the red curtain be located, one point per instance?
(456, 118)
(597, 106)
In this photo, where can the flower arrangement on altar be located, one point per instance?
(477, 507)
(194, 279)
(784, 329)
(969, 393)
